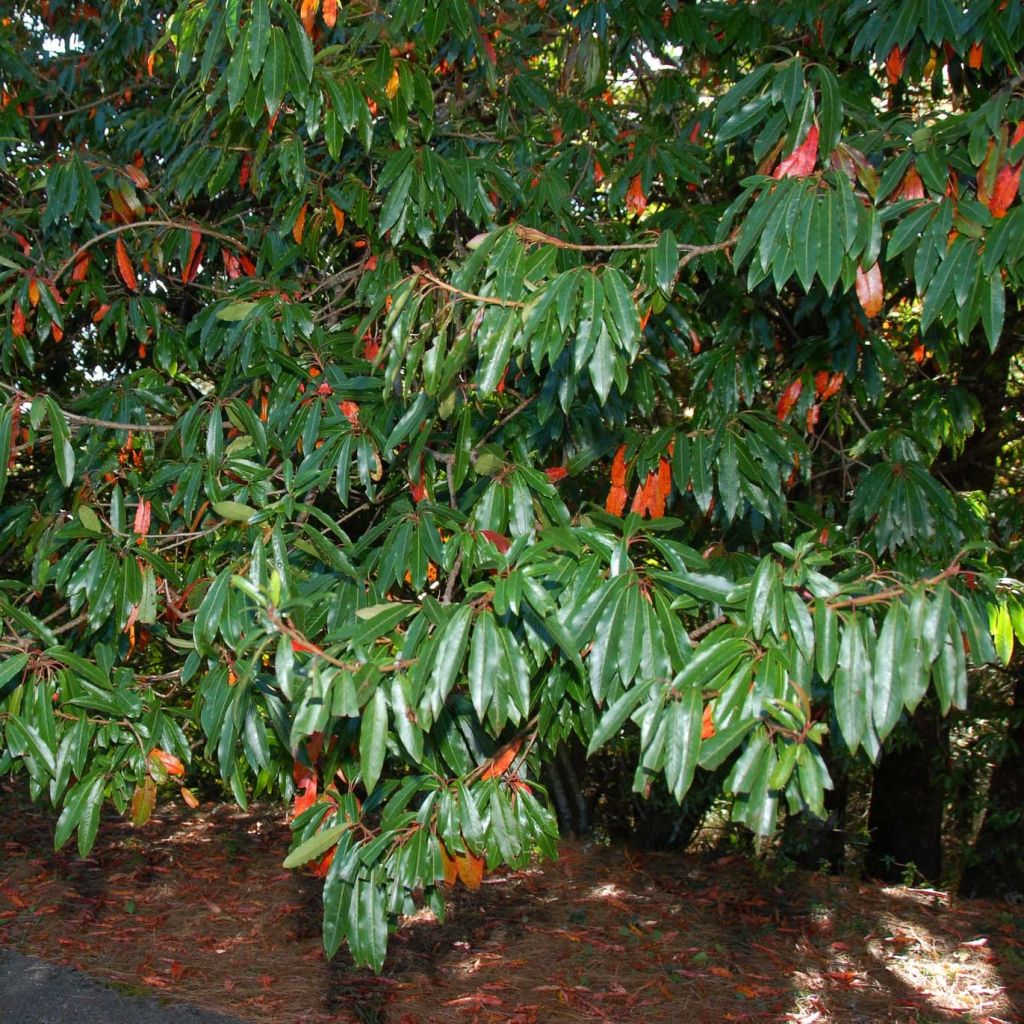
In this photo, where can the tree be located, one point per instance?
(392, 391)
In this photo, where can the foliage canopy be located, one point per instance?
(391, 390)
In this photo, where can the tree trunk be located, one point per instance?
(905, 817)
(996, 865)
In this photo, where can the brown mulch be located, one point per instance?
(196, 907)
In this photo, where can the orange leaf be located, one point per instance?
(330, 12)
(619, 467)
(138, 176)
(305, 786)
(189, 797)
(789, 398)
(33, 292)
(391, 89)
(101, 312)
(870, 290)
(307, 12)
(820, 382)
(350, 410)
(894, 64)
(813, 412)
(418, 490)
(231, 264)
(57, 331)
(300, 225)
(499, 764)
(616, 500)
(124, 265)
(471, 869)
(339, 218)
(18, 321)
(707, 726)
(974, 55)
(172, 765)
(451, 872)
(142, 517)
(801, 161)
(912, 187)
(81, 269)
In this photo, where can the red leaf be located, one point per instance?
(350, 410)
(636, 201)
(835, 382)
(124, 265)
(619, 467)
(801, 161)
(789, 398)
(188, 271)
(870, 290)
(813, 412)
(243, 173)
(231, 264)
(556, 473)
(974, 55)
(500, 542)
(101, 312)
(894, 64)
(1007, 181)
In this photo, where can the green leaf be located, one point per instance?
(683, 741)
(615, 717)
(830, 110)
(233, 510)
(275, 70)
(621, 306)
(63, 452)
(666, 261)
(373, 734)
(315, 846)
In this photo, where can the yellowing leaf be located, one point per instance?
(391, 89)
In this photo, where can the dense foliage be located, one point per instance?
(392, 390)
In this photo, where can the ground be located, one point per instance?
(195, 907)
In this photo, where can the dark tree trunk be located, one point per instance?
(996, 865)
(905, 817)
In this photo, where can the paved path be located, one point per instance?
(35, 992)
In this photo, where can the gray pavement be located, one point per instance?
(35, 992)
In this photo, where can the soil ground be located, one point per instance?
(196, 908)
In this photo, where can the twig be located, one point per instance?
(488, 299)
(173, 224)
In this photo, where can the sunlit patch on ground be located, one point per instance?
(196, 907)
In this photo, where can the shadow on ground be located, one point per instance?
(196, 907)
